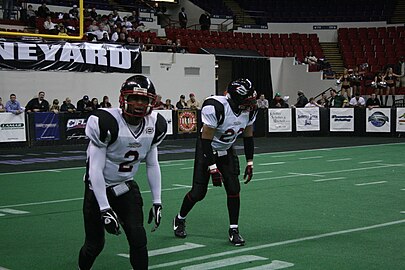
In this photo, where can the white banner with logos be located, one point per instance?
(167, 114)
(307, 119)
(280, 120)
(400, 120)
(378, 120)
(12, 127)
(342, 119)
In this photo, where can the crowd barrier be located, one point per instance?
(69, 128)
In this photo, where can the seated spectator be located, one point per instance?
(67, 106)
(84, 105)
(62, 30)
(2, 107)
(134, 18)
(181, 104)
(116, 34)
(277, 102)
(159, 105)
(116, 16)
(357, 101)
(94, 104)
(38, 104)
(55, 106)
(263, 103)
(373, 102)
(337, 101)
(43, 11)
(93, 26)
(127, 24)
(74, 13)
(50, 27)
(193, 103)
(311, 103)
(310, 59)
(168, 105)
(329, 74)
(13, 105)
(142, 28)
(31, 16)
(106, 103)
(323, 100)
(178, 48)
(148, 46)
(301, 100)
(93, 13)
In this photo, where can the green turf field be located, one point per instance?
(338, 208)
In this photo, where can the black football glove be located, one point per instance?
(155, 213)
(110, 221)
(216, 176)
(248, 172)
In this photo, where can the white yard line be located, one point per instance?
(313, 157)
(329, 179)
(281, 243)
(370, 161)
(282, 156)
(161, 251)
(271, 163)
(307, 174)
(371, 183)
(224, 262)
(263, 172)
(338, 159)
(187, 168)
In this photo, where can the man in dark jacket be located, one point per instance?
(205, 21)
(38, 104)
(301, 100)
(84, 105)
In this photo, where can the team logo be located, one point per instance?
(134, 145)
(149, 130)
(187, 121)
(378, 119)
(241, 90)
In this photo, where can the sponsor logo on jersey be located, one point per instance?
(134, 145)
(237, 123)
(149, 130)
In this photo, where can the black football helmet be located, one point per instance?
(242, 94)
(142, 87)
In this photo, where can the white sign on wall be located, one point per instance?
(400, 119)
(378, 120)
(12, 127)
(167, 114)
(280, 120)
(307, 119)
(342, 119)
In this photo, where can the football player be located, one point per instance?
(224, 119)
(119, 139)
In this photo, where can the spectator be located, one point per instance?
(62, 30)
(50, 27)
(55, 106)
(8, 7)
(84, 105)
(301, 100)
(183, 18)
(263, 103)
(373, 102)
(159, 105)
(116, 34)
(329, 74)
(310, 59)
(192, 103)
(323, 100)
(311, 103)
(181, 104)
(93, 26)
(357, 101)
(178, 48)
(93, 13)
(31, 16)
(134, 18)
(2, 107)
(43, 11)
(94, 104)
(13, 105)
(127, 24)
(106, 103)
(205, 21)
(38, 104)
(168, 105)
(67, 106)
(142, 28)
(116, 16)
(74, 13)
(277, 102)
(148, 46)
(337, 101)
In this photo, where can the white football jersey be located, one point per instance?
(126, 145)
(217, 113)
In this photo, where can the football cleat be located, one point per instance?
(235, 238)
(179, 227)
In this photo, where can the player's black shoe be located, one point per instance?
(179, 227)
(235, 238)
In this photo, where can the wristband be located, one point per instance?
(212, 167)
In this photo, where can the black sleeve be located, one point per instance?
(219, 109)
(160, 129)
(249, 146)
(107, 124)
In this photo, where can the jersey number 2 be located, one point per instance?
(124, 166)
(230, 135)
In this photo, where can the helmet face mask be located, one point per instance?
(138, 96)
(242, 94)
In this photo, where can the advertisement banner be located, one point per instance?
(378, 120)
(12, 127)
(187, 121)
(75, 129)
(342, 119)
(400, 120)
(167, 114)
(75, 56)
(280, 120)
(46, 126)
(307, 119)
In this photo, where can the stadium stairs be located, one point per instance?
(240, 16)
(399, 13)
(333, 56)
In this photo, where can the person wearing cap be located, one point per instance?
(74, 13)
(278, 102)
(262, 102)
(192, 103)
(181, 104)
(84, 105)
(302, 100)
